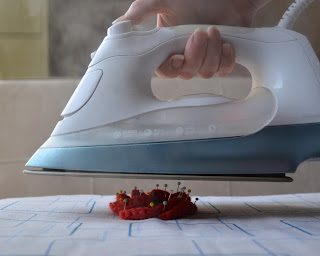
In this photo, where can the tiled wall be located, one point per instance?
(23, 39)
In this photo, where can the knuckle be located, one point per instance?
(136, 4)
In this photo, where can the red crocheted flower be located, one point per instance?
(157, 204)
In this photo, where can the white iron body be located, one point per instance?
(113, 124)
(114, 103)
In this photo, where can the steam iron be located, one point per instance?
(113, 126)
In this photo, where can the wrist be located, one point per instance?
(246, 10)
(253, 6)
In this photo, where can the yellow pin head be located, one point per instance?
(151, 204)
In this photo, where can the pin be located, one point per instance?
(165, 187)
(120, 199)
(182, 191)
(148, 192)
(157, 185)
(124, 192)
(164, 204)
(196, 200)
(117, 194)
(179, 196)
(125, 203)
(171, 191)
(152, 204)
(188, 195)
(120, 191)
(179, 183)
(141, 191)
(135, 187)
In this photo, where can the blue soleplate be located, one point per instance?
(273, 150)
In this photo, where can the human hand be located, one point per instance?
(205, 53)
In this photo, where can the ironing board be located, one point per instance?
(84, 225)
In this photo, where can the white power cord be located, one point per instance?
(290, 16)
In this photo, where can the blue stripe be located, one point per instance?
(74, 205)
(89, 202)
(204, 237)
(9, 205)
(264, 248)
(201, 201)
(54, 201)
(242, 230)
(130, 229)
(92, 207)
(280, 203)
(104, 238)
(214, 207)
(198, 248)
(222, 222)
(304, 199)
(26, 220)
(252, 207)
(245, 213)
(300, 229)
(51, 211)
(216, 229)
(73, 222)
(178, 224)
(47, 230)
(75, 229)
(49, 248)
(14, 236)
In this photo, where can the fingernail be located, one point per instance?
(212, 30)
(118, 19)
(226, 48)
(199, 37)
(177, 61)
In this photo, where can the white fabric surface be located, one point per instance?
(84, 225)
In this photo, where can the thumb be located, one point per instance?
(140, 10)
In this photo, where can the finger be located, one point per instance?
(194, 54)
(171, 67)
(213, 54)
(227, 60)
(141, 10)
